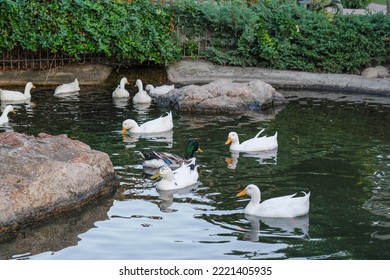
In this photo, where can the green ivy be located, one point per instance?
(136, 31)
(276, 34)
(355, 4)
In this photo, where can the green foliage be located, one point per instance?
(355, 4)
(275, 34)
(281, 35)
(231, 28)
(137, 31)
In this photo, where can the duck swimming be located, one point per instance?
(13, 95)
(184, 176)
(254, 144)
(279, 207)
(141, 96)
(159, 90)
(4, 116)
(155, 159)
(163, 123)
(70, 88)
(121, 91)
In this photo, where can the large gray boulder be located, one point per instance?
(223, 95)
(45, 175)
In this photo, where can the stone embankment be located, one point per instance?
(201, 72)
(87, 74)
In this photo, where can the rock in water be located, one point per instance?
(45, 175)
(223, 96)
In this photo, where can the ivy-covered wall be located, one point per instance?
(269, 33)
(281, 35)
(120, 29)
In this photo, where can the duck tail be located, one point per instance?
(306, 194)
(260, 132)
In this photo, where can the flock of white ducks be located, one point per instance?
(177, 172)
(143, 96)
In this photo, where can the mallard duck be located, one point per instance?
(13, 95)
(141, 96)
(120, 91)
(184, 176)
(279, 207)
(71, 88)
(163, 123)
(4, 116)
(255, 144)
(155, 159)
(159, 90)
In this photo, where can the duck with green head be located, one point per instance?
(155, 159)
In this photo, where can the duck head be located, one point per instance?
(9, 109)
(138, 84)
(124, 82)
(191, 148)
(232, 137)
(164, 171)
(251, 190)
(128, 124)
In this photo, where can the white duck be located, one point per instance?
(4, 116)
(163, 123)
(13, 95)
(141, 96)
(70, 88)
(279, 207)
(159, 90)
(184, 176)
(252, 145)
(120, 91)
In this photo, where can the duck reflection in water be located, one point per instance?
(141, 108)
(163, 137)
(167, 197)
(287, 227)
(120, 103)
(262, 157)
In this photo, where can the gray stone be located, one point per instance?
(383, 72)
(370, 72)
(45, 175)
(223, 96)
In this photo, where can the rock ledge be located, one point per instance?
(45, 175)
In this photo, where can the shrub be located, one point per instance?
(275, 34)
(138, 30)
(355, 4)
(279, 34)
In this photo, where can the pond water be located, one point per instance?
(336, 146)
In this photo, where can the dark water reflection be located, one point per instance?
(336, 146)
